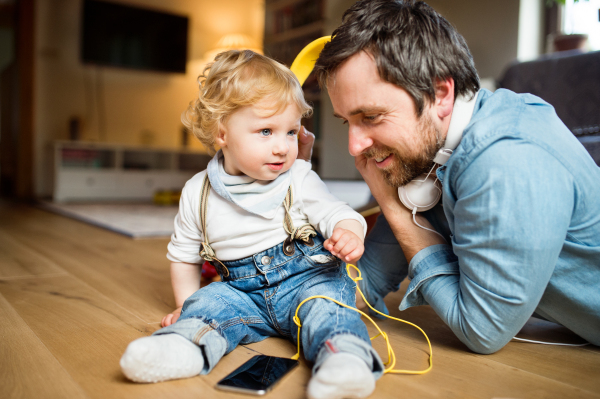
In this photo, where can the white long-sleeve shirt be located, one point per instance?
(234, 233)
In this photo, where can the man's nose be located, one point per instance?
(358, 141)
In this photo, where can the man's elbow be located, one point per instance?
(486, 345)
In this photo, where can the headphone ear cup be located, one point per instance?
(421, 194)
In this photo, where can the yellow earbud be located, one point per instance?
(306, 59)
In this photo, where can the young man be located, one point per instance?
(519, 230)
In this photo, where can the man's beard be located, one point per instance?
(405, 168)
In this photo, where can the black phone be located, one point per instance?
(258, 375)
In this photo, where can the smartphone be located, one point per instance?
(258, 375)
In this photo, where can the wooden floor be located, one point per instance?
(72, 296)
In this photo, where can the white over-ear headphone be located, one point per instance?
(425, 191)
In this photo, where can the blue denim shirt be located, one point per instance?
(521, 209)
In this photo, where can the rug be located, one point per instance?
(135, 220)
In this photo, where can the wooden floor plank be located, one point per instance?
(87, 334)
(19, 261)
(115, 268)
(27, 367)
(541, 370)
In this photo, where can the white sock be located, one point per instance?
(342, 375)
(160, 358)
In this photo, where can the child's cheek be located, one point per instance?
(294, 148)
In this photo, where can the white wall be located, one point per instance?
(531, 30)
(139, 107)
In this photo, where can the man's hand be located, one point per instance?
(171, 318)
(384, 194)
(346, 245)
(306, 140)
(412, 238)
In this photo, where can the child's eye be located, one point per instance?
(265, 132)
(291, 133)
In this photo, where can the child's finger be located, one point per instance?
(341, 243)
(354, 256)
(336, 235)
(328, 244)
(348, 249)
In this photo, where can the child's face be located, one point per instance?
(259, 146)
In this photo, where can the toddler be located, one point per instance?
(260, 216)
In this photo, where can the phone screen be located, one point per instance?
(258, 375)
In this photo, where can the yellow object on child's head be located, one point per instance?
(306, 59)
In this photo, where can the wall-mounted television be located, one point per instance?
(120, 35)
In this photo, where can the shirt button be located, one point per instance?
(265, 260)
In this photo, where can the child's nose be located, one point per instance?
(281, 147)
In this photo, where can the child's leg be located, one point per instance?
(336, 339)
(212, 323)
(343, 373)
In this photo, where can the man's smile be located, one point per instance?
(384, 161)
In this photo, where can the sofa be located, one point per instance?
(570, 81)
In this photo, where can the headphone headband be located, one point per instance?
(306, 59)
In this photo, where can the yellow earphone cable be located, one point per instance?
(391, 355)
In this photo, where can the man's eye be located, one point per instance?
(370, 118)
(265, 132)
(344, 122)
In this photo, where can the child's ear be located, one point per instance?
(221, 138)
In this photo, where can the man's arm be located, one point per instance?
(510, 217)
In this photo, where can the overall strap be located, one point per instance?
(206, 251)
(303, 233)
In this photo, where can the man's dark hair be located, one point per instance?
(411, 43)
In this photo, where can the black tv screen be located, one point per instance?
(131, 37)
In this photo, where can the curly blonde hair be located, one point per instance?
(235, 79)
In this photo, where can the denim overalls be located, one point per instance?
(258, 296)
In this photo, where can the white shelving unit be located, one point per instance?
(103, 172)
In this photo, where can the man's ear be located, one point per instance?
(444, 97)
(221, 138)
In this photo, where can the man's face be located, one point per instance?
(382, 121)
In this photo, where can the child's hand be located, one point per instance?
(171, 318)
(345, 245)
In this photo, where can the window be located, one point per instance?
(583, 17)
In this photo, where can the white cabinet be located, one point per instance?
(104, 172)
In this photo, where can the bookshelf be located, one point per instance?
(289, 26)
(102, 172)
